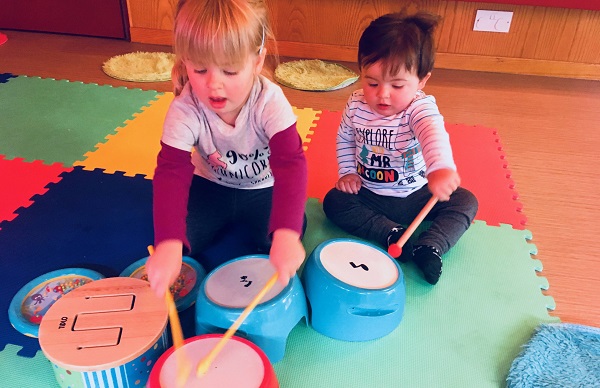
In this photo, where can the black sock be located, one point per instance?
(393, 237)
(429, 260)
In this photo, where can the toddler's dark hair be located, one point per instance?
(399, 40)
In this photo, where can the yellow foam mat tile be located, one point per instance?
(307, 120)
(133, 149)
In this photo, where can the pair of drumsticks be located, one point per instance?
(184, 365)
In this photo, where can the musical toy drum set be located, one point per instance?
(113, 331)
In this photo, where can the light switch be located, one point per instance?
(492, 21)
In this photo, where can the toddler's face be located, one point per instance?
(392, 93)
(225, 88)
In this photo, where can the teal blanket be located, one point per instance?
(558, 355)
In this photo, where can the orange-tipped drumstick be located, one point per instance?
(206, 361)
(395, 250)
(184, 365)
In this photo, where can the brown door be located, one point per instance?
(102, 18)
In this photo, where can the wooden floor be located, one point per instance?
(549, 127)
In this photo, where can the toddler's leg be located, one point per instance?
(369, 216)
(450, 220)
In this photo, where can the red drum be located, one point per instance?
(239, 364)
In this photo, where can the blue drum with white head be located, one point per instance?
(355, 290)
(229, 288)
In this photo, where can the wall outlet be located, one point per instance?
(492, 21)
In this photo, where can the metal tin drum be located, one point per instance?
(184, 289)
(239, 364)
(107, 333)
(32, 301)
(355, 290)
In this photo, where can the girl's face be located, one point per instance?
(390, 94)
(225, 89)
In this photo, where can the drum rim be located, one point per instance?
(339, 283)
(15, 316)
(190, 298)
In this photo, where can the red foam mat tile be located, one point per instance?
(320, 155)
(20, 180)
(482, 166)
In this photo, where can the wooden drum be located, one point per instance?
(107, 333)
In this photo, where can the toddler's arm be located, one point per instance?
(442, 183)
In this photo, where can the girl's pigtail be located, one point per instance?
(178, 76)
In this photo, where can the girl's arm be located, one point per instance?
(290, 189)
(171, 188)
(289, 198)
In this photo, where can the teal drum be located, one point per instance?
(108, 333)
(355, 290)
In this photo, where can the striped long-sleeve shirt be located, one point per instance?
(393, 154)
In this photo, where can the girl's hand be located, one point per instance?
(164, 265)
(349, 184)
(442, 183)
(287, 254)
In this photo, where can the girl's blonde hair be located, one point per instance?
(221, 32)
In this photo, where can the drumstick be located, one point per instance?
(395, 250)
(206, 361)
(184, 366)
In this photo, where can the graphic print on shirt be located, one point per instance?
(242, 169)
(388, 156)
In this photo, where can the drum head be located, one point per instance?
(359, 264)
(236, 365)
(236, 283)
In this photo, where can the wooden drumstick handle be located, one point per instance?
(395, 250)
(184, 365)
(206, 361)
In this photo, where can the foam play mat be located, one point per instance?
(77, 193)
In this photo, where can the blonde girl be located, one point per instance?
(230, 152)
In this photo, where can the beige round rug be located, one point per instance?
(314, 75)
(140, 66)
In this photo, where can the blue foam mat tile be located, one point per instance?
(89, 220)
(5, 77)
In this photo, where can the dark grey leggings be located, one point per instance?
(371, 216)
(214, 209)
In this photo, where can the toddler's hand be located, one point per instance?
(164, 265)
(349, 184)
(442, 183)
(287, 253)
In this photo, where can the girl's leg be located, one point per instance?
(253, 208)
(210, 209)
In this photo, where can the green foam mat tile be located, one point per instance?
(463, 332)
(17, 371)
(60, 121)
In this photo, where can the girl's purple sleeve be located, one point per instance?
(289, 170)
(171, 189)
